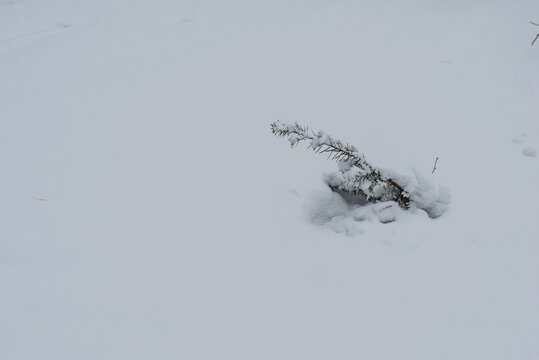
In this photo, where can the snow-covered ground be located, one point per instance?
(149, 213)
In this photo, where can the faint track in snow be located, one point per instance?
(50, 30)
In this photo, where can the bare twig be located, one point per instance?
(537, 36)
(40, 199)
(435, 162)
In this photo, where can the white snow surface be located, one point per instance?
(148, 212)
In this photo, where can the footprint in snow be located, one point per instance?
(187, 19)
(527, 151)
(63, 25)
(533, 353)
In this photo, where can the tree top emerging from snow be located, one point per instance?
(356, 176)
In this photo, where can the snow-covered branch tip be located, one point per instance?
(356, 176)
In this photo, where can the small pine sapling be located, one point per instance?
(356, 177)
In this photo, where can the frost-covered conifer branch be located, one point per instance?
(356, 176)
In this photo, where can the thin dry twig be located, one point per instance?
(537, 36)
(40, 199)
(435, 162)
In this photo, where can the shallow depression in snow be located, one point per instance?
(529, 152)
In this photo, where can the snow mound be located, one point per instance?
(330, 210)
(348, 214)
(426, 195)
